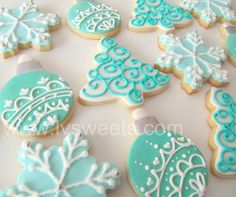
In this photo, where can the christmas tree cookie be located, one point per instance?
(228, 31)
(164, 163)
(68, 170)
(152, 15)
(91, 19)
(193, 61)
(222, 140)
(119, 76)
(210, 11)
(25, 27)
(34, 101)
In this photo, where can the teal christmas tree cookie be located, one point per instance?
(66, 171)
(34, 101)
(228, 31)
(163, 163)
(119, 76)
(193, 61)
(91, 19)
(222, 140)
(210, 11)
(25, 27)
(150, 15)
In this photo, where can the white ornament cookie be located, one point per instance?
(25, 27)
(163, 163)
(34, 101)
(68, 171)
(193, 61)
(210, 11)
(91, 19)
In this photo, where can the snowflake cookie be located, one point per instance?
(25, 27)
(222, 140)
(119, 76)
(67, 171)
(150, 15)
(91, 19)
(228, 31)
(193, 61)
(163, 163)
(34, 101)
(210, 11)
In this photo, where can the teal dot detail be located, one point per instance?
(163, 163)
(35, 102)
(118, 75)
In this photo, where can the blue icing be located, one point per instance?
(64, 171)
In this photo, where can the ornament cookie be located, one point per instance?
(152, 15)
(193, 61)
(164, 163)
(119, 76)
(228, 31)
(34, 101)
(210, 11)
(222, 140)
(91, 19)
(25, 27)
(68, 170)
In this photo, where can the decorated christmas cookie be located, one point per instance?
(91, 19)
(163, 163)
(68, 170)
(25, 27)
(222, 140)
(228, 31)
(119, 76)
(34, 101)
(150, 15)
(209, 11)
(193, 61)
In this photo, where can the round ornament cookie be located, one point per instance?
(152, 15)
(34, 101)
(25, 27)
(228, 32)
(210, 12)
(65, 171)
(163, 163)
(193, 61)
(222, 141)
(91, 19)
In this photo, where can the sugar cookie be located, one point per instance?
(68, 170)
(91, 19)
(164, 163)
(210, 11)
(193, 61)
(228, 31)
(119, 76)
(152, 15)
(222, 140)
(25, 27)
(34, 101)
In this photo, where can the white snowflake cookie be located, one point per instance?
(210, 11)
(68, 170)
(191, 60)
(25, 27)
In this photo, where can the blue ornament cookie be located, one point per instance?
(34, 101)
(222, 140)
(119, 76)
(163, 163)
(91, 19)
(152, 15)
(25, 27)
(67, 170)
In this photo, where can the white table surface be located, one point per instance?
(71, 58)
